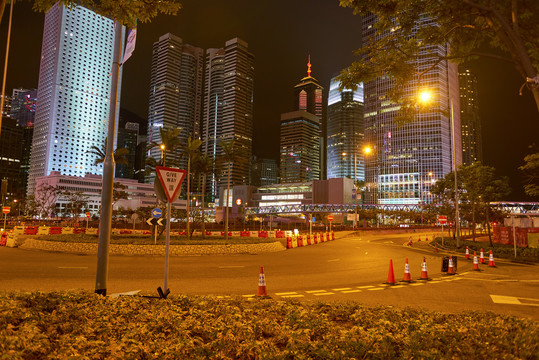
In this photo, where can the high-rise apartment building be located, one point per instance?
(345, 132)
(309, 96)
(176, 90)
(469, 115)
(299, 147)
(228, 108)
(74, 86)
(407, 159)
(264, 172)
(23, 110)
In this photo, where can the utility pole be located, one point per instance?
(105, 225)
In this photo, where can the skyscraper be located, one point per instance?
(407, 159)
(74, 86)
(309, 96)
(299, 147)
(176, 88)
(228, 107)
(469, 114)
(345, 132)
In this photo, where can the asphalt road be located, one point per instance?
(348, 269)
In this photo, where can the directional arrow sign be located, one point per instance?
(156, 213)
(171, 179)
(154, 221)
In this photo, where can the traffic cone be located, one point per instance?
(419, 238)
(262, 284)
(450, 268)
(288, 242)
(482, 257)
(475, 262)
(467, 254)
(391, 274)
(407, 277)
(424, 274)
(427, 238)
(435, 247)
(491, 260)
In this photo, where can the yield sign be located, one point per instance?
(171, 180)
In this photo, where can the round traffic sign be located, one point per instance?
(156, 213)
(6, 209)
(330, 217)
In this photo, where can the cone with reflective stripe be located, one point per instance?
(261, 283)
(491, 260)
(391, 274)
(407, 277)
(450, 268)
(481, 257)
(475, 262)
(424, 274)
(467, 254)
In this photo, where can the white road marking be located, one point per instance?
(341, 289)
(231, 267)
(376, 289)
(334, 260)
(325, 293)
(351, 291)
(286, 293)
(315, 291)
(291, 296)
(512, 300)
(365, 287)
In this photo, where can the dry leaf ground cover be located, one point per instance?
(82, 325)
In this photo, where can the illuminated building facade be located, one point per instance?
(228, 109)
(74, 86)
(309, 96)
(471, 122)
(408, 158)
(176, 90)
(345, 132)
(264, 172)
(299, 147)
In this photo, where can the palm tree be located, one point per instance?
(190, 150)
(170, 141)
(120, 154)
(203, 166)
(229, 155)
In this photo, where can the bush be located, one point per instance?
(87, 326)
(502, 251)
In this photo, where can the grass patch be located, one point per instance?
(149, 240)
(87, 326)
(501, 251)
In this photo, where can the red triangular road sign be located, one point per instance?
(171, 179)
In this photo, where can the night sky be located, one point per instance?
(281, 34)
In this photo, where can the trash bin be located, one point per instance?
(445, 263)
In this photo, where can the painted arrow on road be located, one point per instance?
(154, 221)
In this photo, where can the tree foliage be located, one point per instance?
(120, 154)
(43, 202)
(468, 26)
(128, 12)
(531, 171)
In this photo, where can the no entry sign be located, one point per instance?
(6, 209)
(442, 219)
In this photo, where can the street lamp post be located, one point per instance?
(453, 131)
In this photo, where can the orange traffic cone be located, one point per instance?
(481, 257)
(491, 260)
(427, 238)
(475, 262)
(424, 274)
(450, 268)
(467, 254)
(407, 277)
(391, 274)
(419, 238)
(288, 242)
(435, 247)
(261, 283)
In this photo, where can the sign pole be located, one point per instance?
(5, 218)
(169, 210)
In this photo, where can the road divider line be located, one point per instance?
(291, 296)
(351, 291)
(333, 260)
(376, 289)
(365, 287)
(315, 291)
(286, 293)
(341, 289)
(417, 284)
(231, 267)
(321, 294)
